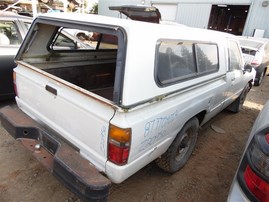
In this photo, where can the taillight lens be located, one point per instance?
(119, 145)
(267, 138)
(259, 153)
(256, 185)
(257, 60)
(14, 83)
(255, 63)
(256, 174)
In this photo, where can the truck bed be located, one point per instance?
(97, 78)
(95, 75)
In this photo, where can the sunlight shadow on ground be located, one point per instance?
(253, 105)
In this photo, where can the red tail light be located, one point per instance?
(257, 60)
(118, 155)
(256, 174)
(256, 185)
(119, 145)
(267, 138)
(255, 63)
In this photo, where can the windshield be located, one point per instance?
(248, 51)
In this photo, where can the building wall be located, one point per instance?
(196, 13)
(258, 19)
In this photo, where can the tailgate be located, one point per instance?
(80, 117)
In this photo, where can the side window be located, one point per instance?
(180, 60)
(175, 60)
(207, 57)
(9, 34)
(235, 59)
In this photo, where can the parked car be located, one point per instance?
(13, 29)
(251, 181)
(256, 53)
(98, 115)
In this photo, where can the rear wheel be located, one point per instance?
(259, 81)
(237, 105)
(180, 150)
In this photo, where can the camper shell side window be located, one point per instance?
(235, 59)
(177, 61)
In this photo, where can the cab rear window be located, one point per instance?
(74, 39)
(177, 61)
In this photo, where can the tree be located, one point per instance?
(94, 9)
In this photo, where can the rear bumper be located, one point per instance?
(57, 155)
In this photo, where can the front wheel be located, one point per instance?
(180, 150)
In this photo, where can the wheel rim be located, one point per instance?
(184, 145)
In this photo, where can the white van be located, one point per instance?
(137, 93)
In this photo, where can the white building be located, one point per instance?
(240, 17)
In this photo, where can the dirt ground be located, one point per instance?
(206, 177)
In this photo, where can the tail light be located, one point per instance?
(255, 63)
(257, 60)
(119, 145)
(256, 174)
(256, 185)
(14, 83)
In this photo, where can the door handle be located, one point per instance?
(51, 89)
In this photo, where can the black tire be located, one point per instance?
(181, 148)
(237, 105)
(259, 81)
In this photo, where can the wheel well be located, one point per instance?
(201, 116)
(250, 84)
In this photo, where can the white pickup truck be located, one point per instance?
(138, 92)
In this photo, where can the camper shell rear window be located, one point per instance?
(177, 61)
(88, 56)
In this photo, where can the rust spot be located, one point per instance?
(42, 155)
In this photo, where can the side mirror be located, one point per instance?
(248, 68)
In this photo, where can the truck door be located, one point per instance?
(235, 71)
